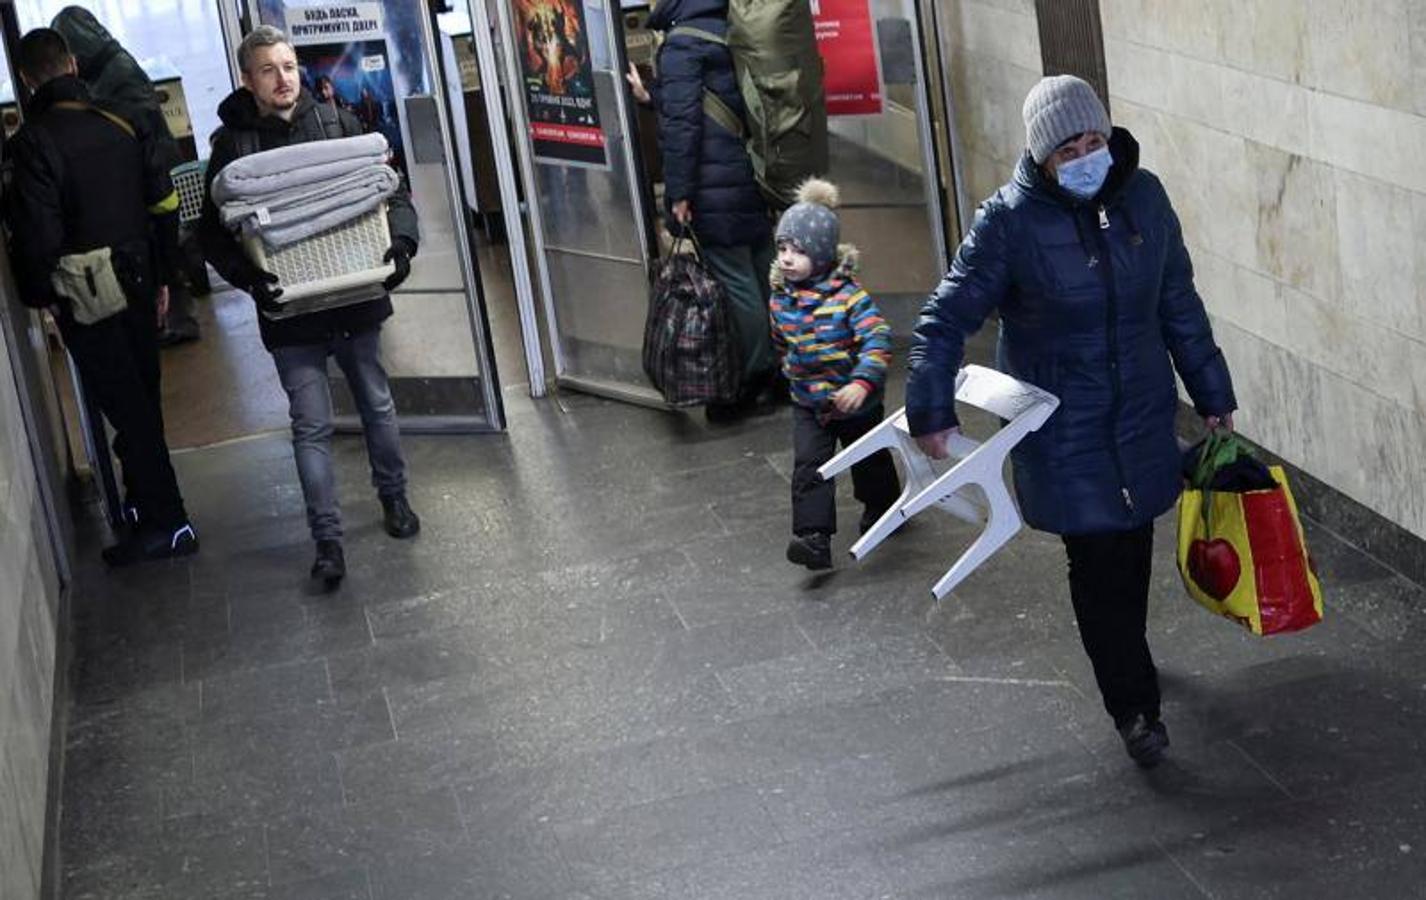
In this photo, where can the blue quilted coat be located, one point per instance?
(1097, 306)
(703, 162)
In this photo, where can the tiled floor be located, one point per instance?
(593, 676)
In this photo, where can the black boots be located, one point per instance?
(1145, 739)
(330, 565)
(141, 544)
(400, 520)
(811, 550)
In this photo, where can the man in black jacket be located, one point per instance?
(85, 181)
(271, 110)
(118, 83)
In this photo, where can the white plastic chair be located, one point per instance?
(980, 464)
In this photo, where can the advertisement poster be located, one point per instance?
(345, 62)
(559, 81)
(399, 26)
(847, 40)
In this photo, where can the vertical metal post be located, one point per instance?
(495, 112)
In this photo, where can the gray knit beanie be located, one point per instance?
(811, 224)
(1057, 109)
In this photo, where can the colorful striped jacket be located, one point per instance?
(829, 333)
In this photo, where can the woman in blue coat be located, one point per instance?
(1082, 256)
(708, 177)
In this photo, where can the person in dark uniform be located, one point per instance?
(91, 199)
(120, 85)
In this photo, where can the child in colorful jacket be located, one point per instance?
(835, 349)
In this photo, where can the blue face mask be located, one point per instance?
(1084, 177)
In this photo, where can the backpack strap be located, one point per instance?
(699, 33)
(713, 106)
(80, 106)
(723, 114)
(329, 120)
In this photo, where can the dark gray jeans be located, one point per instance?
(303, 371)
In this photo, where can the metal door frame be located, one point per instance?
(495, 110)
(638, 394)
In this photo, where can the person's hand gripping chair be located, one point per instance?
(1023, 407)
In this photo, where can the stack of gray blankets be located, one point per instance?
(294, 192)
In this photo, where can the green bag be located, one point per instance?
(779, 70)
(88, 282)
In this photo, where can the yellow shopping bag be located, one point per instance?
(1242, 553)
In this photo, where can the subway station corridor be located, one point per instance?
(593, 676)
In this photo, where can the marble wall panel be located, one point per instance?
(1265, 110)
(1003, 34)
(27, 648)
(1268, 37)
(1136, 73)
(1296, 220)
(1379, 252)
(1418, 57)
(1361, 50)
(1370, 140)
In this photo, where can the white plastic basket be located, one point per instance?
(338, 266)
(188, 181)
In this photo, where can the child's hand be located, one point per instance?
(850, 398)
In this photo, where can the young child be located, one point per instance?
(835, 348)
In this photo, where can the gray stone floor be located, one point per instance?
(593, 676)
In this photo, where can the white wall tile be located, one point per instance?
(1379, 251)
(1361, 50)
(1268, 37)
(1009, 36)
(1296, 220)
(1370, 140)
(1265, 110)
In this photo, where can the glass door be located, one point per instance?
(589, 227)
(882, 146)
(385, 66)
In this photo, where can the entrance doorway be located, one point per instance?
(595, 225)
(224, 385)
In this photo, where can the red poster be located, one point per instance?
(847, 40)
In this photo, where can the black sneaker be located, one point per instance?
(142, 544)
(811, 550)
(401, 521)
(869, 519)
(330, 565)
(1145, 739)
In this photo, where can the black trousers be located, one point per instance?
(118, 363)
(1109, 586)
(814, 500)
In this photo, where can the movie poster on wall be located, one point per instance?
(846, 38)
(553, 45)
(345, 62)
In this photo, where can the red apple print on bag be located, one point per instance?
(1214, 567)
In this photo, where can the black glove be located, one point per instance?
(263, 291)
(400, 254)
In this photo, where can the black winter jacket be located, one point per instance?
(1097, 306)
(81, 182)
(703, 162)
(222, 249)
(115, 78)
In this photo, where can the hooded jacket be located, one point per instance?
(829, 333)
(704, 163)
(245, 129)
(116, 80)
(1097, 306)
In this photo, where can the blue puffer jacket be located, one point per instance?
(702, 162)
(1097, 306)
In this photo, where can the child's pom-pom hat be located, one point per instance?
(811, 223)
